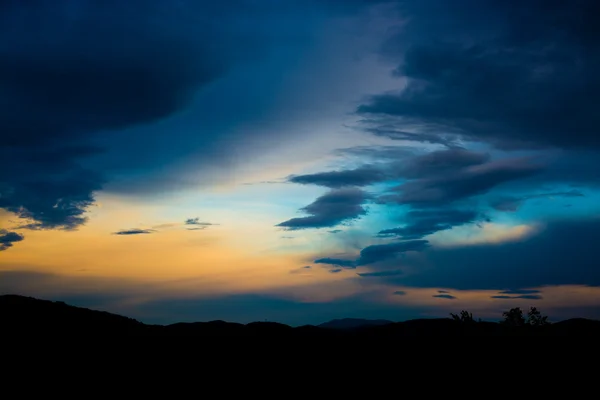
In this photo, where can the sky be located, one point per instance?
(299, 161)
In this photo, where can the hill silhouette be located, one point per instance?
(25, 315)
(352, 323)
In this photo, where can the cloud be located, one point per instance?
(524, 78)
(97, 96)
(377, 152)
(98, 64)
(527, 294)
(399, 293)
(375, 254)
(420, 223)
(512, 204)
(520, 291)
(522, 296)
(378, 274)
(302, 270)
(196, 221)
(46, 194)
(8, 238)
(392, 128)
(194, 225)
(330, 209)
(338, 262)
(362, 176)
(398, 163)
(563, 253)
(381, 252)
(444, 296)
(461, 184)
(134, 231)
(439, 162)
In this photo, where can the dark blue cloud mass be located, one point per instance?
(563, 253)
(7, 239)
(330, 209)
(420, 223)
(516, 75)
(96, 95)
(362, 176)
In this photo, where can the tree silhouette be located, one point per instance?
(535, 318)
(465, 317)
(513, 317)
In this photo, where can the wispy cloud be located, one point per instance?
(134, 231)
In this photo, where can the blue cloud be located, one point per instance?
(525, 79)
(7, 239)
(330, 209)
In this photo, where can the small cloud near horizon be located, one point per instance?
(126, 232)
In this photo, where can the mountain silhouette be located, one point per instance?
(21, 315)
(353, 323)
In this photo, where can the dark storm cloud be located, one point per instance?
(563, 253)
(7, 239)
(55, 197)
(420, 223)
(330, 209)
(516, 75)
(70, 71)
(362, 176)
(134, 232)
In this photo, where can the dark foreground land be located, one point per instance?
(25, 315)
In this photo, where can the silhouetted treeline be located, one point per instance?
(26, 315)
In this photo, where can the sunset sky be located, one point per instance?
(301, 160)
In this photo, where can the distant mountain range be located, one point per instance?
(353, 323)
(21, 315)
